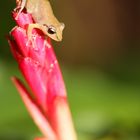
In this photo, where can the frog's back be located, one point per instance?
(41, 11)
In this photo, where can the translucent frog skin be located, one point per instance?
(42, 14)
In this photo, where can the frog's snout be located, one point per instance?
(62, 26)
(60, 32)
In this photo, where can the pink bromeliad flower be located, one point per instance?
(47, 99)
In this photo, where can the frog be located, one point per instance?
(43, 16)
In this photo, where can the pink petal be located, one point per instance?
(13, 47)
(40, 139)
(23, 19)
(55, 83)
(61, 119)
(19, 35)
(36, 77)
(36, 114)
(35, 48)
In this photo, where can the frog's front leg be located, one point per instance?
(30, 29)
(20, 6)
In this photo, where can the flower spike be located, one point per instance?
(47, 100)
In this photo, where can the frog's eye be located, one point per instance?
(51, 30)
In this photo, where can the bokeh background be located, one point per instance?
(100, 61)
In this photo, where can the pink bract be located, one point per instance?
(37, 62)
(47, 101)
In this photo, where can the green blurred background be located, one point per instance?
(100, 61)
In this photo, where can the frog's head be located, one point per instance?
(55, 32)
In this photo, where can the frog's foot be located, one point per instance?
(17, 9)
(31, 36)
(18, 2)
(20, 6)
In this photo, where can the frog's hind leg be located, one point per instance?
(20, 6)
